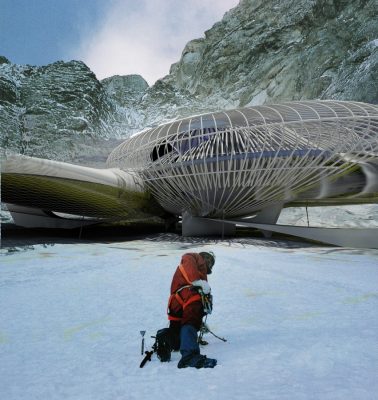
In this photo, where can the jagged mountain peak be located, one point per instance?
(260, 52)
(125, 88)
(4, 60)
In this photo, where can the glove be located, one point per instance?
(205, 287)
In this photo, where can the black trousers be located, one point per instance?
(174, 333)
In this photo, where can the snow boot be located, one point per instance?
(197, 361)
(190, 351)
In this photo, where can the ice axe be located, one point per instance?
(142, 333)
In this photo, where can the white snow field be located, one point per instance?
(300, 323)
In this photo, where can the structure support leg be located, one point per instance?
(197, 226)
(268, 215)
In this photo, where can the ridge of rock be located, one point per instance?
(260, 52)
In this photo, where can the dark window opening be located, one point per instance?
(161, 151)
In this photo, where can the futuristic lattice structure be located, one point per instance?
(237, 163)
(216, 170)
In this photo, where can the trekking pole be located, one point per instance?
(205, 329)
(218, 337)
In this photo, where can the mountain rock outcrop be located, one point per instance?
(58, 111)
(262, 51)
(271, 50)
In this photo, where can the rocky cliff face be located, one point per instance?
(262, 51)
(58, 111)
(271, 50)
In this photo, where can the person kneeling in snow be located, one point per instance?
(190, 291)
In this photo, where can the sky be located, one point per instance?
(113, 37)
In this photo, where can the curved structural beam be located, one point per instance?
(44, 188)
(36, 218)
(345, 237)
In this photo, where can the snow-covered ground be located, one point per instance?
(352, 216)
(300, 323)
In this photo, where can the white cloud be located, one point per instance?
(147, 36)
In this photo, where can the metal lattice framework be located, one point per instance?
(238, 162)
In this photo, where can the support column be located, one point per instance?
(268, 215)
(197, 226)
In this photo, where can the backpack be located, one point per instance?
(162, 345)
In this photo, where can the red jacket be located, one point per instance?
(191, 268)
